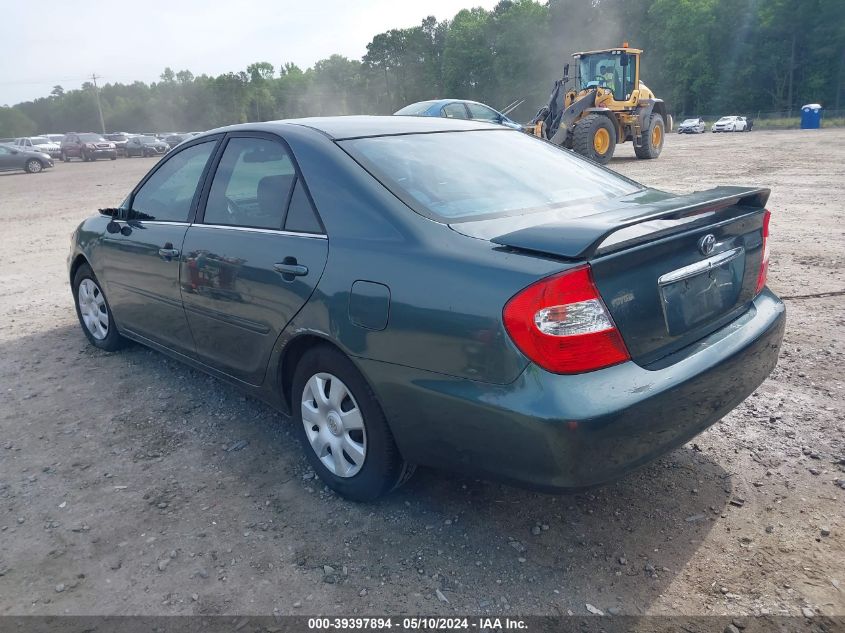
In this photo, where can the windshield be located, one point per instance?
(607, 71)
(149, 139)
(725, 119)
(690, 122)
(39, 140)
(116, 137)
(91, 138)
(415, 109)
(460, 176)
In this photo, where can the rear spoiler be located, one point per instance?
(585, 236)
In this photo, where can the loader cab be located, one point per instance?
(614, 69)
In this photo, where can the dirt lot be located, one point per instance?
(120, 491)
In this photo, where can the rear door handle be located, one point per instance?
(168, 251)
(297, 270)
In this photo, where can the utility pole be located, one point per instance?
(99, 107)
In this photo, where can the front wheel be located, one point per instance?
(94, 312)
(595, 137)
(34, 166)
(65, 158)
(342, 427)
(652, 138)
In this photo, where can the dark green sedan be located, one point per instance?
(447, 293)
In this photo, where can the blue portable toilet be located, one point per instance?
(811, 116)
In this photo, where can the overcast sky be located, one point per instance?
(59, 42)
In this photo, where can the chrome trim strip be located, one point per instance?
(699, 267)
(156, 222)
(319, 236)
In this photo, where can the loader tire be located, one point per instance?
(653, 137)
(594, 136)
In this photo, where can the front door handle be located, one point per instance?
(292, 268)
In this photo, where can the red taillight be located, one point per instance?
(764, 263)
(562, 324)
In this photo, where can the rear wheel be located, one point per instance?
(595, 137)
(34, 166)
(94, 312)
(342, 427)
(65, 158)
(652, 138)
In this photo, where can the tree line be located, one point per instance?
(701, 56)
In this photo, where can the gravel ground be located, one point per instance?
(131, 484)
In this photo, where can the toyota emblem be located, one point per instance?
(706, 244)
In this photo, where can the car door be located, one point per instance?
(252, 258)
(141, 261)
(8, 158)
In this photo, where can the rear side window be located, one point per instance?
(462, 176)
(169, 193)
(301, 216)
(252, 185)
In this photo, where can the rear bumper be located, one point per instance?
(562, 433)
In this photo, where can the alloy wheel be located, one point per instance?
(92, 307)
(334, 424)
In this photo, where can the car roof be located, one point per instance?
(346, 127)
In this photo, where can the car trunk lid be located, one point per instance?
(671, 269)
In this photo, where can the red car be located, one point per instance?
(87, 146)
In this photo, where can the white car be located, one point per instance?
(730, 124)
(692, 126)
(38, 144)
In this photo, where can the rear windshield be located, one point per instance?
(415, 109)
(462, 176)
(39, 140)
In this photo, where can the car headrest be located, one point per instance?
(273, 193)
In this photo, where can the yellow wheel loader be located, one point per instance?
(608, 104)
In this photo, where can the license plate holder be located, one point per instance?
(702, 291)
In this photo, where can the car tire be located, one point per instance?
(653, 137)
(367, 464)
(93, 311)
(65, 158)
(594, 136)
(34, 166)
(113, 157)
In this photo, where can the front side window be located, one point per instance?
(483, 113)
(460, 176)
(252, 185)
(169, 193)
(454, 111)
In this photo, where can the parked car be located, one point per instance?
(692, 126)
(54, 138)
(730, 124)
(410, 299)
(31, 161)
(119, 139)
(174, 139)
(87, 146)
(38, 144)
(458, 109)
(145, 146)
